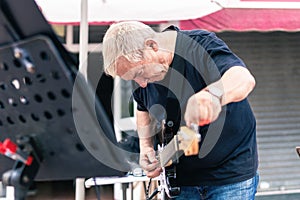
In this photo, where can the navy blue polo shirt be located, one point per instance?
(228, 150)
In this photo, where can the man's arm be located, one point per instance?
(143, 122)
(204, 107)
(236, 84)
(148, 160)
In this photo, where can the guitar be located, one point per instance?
(186, 142)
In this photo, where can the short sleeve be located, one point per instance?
(137, 96)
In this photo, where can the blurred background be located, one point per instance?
(265, 34)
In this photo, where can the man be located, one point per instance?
(211, 85)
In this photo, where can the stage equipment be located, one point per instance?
(52, 125)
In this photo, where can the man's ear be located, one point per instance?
(152, 44)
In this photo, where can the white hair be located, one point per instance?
(124, 39)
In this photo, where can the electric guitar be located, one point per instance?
(186, 142)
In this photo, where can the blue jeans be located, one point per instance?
(244, 190)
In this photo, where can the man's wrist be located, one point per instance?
(146, 142)
(216, 92)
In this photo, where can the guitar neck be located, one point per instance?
(170, 152)
(186, 141)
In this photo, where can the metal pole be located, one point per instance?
(83, 54)
(79, 189)
(83, 38)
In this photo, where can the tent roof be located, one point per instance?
(214, 15)
(242, 19)
(107, 11)
(250, 15)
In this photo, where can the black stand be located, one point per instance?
(22, 175)
(39, 84)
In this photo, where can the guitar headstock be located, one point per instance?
(188, 140)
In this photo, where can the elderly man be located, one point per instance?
(210, 84)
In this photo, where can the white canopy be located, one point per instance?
(101, 11)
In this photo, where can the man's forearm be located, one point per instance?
(236, 84)
(144, 129)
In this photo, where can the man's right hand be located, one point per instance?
(202, 108)
(149, 162)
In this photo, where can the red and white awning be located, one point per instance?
(240, 19)
(250, 15)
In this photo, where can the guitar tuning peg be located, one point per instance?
(194, 127)
(198, 137)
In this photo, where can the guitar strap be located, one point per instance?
(173, 117)
(173, 111)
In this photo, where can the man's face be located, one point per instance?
(143, 72)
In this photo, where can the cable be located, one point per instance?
(97, 191)
(148, 189)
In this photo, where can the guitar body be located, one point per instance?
(186, 142)
(167, 181)
(173, 188)
(169, 172)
